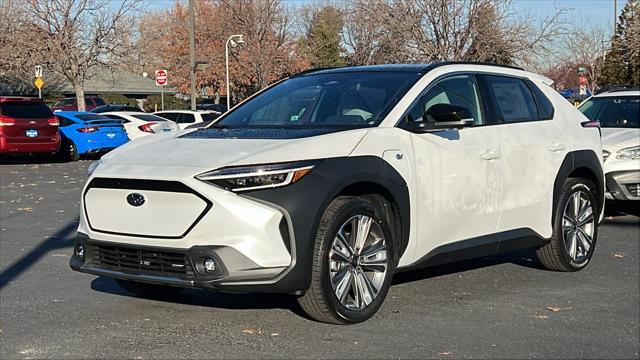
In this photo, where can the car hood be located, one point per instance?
(183, 150)
(614, 139)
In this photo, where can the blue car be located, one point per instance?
(86, 133)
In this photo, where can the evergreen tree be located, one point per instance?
(323, 39)
(622, 62)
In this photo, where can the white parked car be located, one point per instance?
(186, 118)
(326, 184)
(138, 124)
(618, 111)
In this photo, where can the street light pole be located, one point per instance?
(192, 54)
(235, 40)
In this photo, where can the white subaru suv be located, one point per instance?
(618, 111)
(326, 183)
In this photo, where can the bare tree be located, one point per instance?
(432, 30)
(584, 47)
(81, 35)
(19, 47)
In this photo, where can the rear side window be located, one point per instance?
(25, 110)
(209, 117)
(544, 104)
(64, 121)
(186, 119)
(98, 101)
(170, 116)
(512, 98)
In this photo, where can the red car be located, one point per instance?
(27, 125)
(70, 104)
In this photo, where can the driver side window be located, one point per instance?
(459, 90)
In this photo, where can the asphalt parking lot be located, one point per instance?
(502, 307)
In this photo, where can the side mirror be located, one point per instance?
(448, 116)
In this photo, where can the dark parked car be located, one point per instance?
(71, 104)
(27, 125)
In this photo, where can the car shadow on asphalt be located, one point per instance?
(40, 159)
(61, 239)
(214, 299)
(210, 298)
(526, 258)
(627, 220)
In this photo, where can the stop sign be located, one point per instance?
(161, 77)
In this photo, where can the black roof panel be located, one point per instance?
(415, 68)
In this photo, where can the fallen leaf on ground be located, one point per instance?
(25, 209)
(556, 309)
(619, 256)
(252, 331)
(541, 317)
(446, 353)
(59, 255)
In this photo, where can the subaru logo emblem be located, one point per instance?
(135, 199)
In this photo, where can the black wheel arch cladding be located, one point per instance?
(306, 200)
(581, 163)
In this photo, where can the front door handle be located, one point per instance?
(491, 155)
(556, 147)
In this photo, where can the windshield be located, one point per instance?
(614, 111)
(350, 99)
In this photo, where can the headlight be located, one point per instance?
(93, 167)
(245, 178)
(630, 153)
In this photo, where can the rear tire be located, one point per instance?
(152, 291)
(69, 151)
(351, 275)
(575, 227)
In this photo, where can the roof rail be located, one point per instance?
(617, 88)
(443, 63)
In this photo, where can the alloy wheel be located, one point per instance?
(358, 262)
(578, 226)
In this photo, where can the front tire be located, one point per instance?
(353, 261)
(575, 228)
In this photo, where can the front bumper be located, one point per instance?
(623, 185)
(169, 266)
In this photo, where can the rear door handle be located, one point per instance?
(555, 147)
(491, 155)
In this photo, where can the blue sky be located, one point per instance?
(596, 11)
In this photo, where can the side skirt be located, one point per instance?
(486, 245)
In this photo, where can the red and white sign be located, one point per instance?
(161, 77)
(582, 80)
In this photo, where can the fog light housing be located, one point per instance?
(209, 265)
(79, 250)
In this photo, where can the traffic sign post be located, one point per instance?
(161, 80)
(39, 83)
